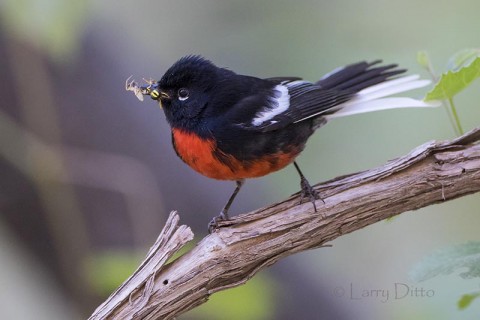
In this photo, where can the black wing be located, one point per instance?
(308, 100)
(282, 79)
(304, 100)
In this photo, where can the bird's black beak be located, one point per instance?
(154, 92)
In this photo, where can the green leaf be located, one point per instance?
(448, 260)
(467, 299)
(462, 59)
(453, 82)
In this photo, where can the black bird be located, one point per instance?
(228, 126)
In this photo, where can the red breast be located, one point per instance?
(204, 157)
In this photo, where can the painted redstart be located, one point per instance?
(228, 126)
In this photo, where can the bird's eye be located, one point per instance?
(183, 94)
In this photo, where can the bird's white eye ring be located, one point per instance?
(183, 94)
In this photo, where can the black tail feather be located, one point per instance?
(358, 76)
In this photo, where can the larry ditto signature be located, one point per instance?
(396, 291)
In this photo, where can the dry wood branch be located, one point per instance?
(432, 173)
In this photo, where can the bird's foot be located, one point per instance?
(213, 225)
(309, 192)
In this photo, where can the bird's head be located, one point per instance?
(189, 91)
(185, 88)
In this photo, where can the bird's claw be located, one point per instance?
(213, 225)
(309, 192)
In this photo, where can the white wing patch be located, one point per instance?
(279, 103)
(296, 83)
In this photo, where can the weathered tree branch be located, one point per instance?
(432, 173)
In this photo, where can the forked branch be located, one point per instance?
(431, 173)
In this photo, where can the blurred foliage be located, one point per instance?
(462, 58)
(463, 69)
(106, 270)
(423, 60)
(448, 260)
(55, 26)
(254, 300)
(467, 299)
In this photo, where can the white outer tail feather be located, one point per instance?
(373, 98)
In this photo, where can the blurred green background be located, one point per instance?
(88, 175)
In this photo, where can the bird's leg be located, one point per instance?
(224, 213)
(307, 190)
